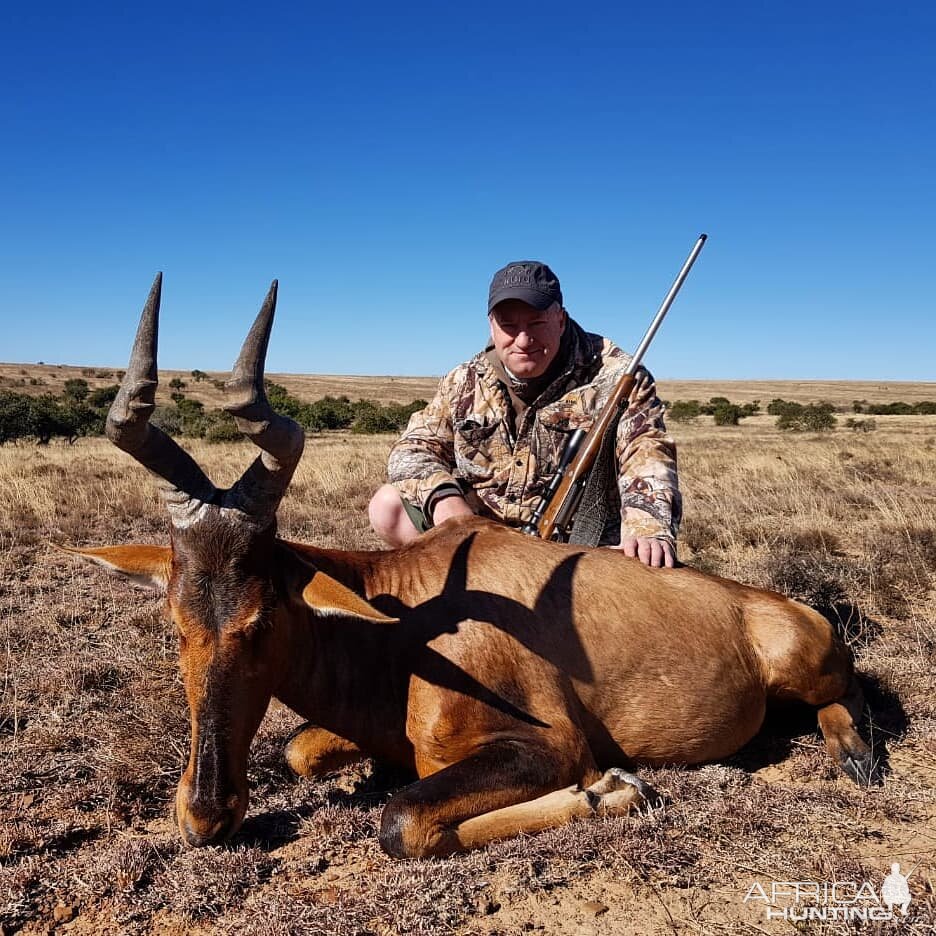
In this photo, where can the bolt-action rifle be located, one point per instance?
(553, 515)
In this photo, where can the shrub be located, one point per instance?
(683, 411)
(177, 383)
(199, 375)
(778, 407)
(371, 417)
(220, 427)
(860, 425)
(16, 416)
(103, 396)
(50, 419)
(815, 417)
(727, 414)
(76, 389)
(169, 419)
(328, 413)
(282, 401)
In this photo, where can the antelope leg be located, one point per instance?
(312, 751)
(502, 790)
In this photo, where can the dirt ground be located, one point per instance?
(94, 728)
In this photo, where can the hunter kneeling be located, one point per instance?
(493, 435)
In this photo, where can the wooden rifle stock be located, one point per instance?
(562, 506)
(553, 515)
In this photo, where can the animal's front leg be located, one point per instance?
(505, 789)
(420, 820)
(312, 751)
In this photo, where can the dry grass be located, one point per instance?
(93, 727)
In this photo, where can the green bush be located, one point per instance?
(103, 396)
(683, 411)
(16, 416)
(220, 427)
(778, 407)
(328, 413)
(727, 414)
(76, 389)
(372, 418)
(814, 417)
(169, 419)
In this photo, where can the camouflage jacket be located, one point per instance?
(467, 436)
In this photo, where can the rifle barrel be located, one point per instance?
(665, 305)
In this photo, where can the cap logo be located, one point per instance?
(518, 276)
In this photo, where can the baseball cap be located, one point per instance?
(530, 281)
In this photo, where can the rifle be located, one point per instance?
(552, 516)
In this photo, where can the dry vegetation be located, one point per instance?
(50, 378)
(93, 726)
(36, 379)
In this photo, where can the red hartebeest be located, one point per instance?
(519, 678)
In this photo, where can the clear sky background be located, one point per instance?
(382, 160)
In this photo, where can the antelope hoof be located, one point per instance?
(861, 767)
(621, 791)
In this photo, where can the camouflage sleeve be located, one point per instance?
(650, 501)
(423, 458)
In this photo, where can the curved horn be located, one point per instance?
(128, 418)
(264, 483)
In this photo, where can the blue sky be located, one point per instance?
(382, 160)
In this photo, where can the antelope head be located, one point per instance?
(217, 573)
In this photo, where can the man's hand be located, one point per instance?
(651, 552)
(453, 506)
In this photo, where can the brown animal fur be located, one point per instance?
(500, 668)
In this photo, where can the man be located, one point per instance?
(492, 436)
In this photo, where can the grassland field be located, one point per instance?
(94, 727)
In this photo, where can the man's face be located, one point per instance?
(525, 339)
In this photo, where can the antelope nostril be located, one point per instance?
(200, 834)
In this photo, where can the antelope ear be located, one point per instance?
(146, 566)
(327, 595)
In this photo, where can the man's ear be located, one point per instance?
(327, 595)
(146, 566)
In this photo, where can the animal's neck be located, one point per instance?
(345, 673)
